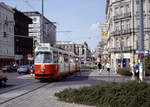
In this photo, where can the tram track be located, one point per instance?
(17, 87)
(21, 89)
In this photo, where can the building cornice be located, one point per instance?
(6, 7)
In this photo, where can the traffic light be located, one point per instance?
(103, 33)
(83, 51)
(4, 33)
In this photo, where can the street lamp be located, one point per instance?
(121, 46)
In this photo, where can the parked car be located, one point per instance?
(3, 80)
(7, 68)
(23, 69)
(14, 67)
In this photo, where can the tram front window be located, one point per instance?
(43, 58)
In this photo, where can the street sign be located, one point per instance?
(139, 52)
(147, 52)
(142, 52)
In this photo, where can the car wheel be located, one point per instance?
(19, 73)
(3, 82)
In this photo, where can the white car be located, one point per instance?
(23, 69)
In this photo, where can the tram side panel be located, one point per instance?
(72, 68)
(77, 68)
(63, 70)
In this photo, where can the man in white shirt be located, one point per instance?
(108, 68)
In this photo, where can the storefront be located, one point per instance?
(125, 59)
(6, 61)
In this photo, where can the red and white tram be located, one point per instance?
(53, 63)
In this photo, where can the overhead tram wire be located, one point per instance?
(29, 5)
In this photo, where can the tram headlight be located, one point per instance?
(42, 70)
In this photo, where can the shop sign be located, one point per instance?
(127, 55)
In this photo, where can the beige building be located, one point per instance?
(6, 35)
(122, 20)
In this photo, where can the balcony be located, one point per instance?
(118, 50)
(123, 32)
(115, 49)
(128, 48)
(122, 16)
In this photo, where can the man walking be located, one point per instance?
(99, 65)
(108, 68)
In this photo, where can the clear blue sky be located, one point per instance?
(79, 16)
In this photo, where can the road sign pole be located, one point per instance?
(141, 41)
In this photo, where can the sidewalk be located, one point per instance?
(112, 77)
(96, 73)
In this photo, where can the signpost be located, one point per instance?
(141, 40)
(142, 52)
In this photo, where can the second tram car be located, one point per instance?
(54, 63)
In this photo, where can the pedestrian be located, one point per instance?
(103, 67)
(99, 65)
(108, 68)
(116, 69)
(133, 71)
(137, 72)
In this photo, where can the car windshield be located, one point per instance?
(22, 67)
(43, 58)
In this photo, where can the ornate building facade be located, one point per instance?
(122, 20)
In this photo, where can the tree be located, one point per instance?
(147, 62)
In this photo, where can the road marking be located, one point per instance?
(25, 76)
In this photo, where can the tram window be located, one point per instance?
(61, 59)
(47, 58)
(66, 59)
(55, 57)
(43, 58)
(38, 58)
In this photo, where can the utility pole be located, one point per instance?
(133, 49)
(42, 24)
(141, 41)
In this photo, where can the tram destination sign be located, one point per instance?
(43, 48)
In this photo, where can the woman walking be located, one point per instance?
(133, 71)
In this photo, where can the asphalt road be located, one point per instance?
(25, 91)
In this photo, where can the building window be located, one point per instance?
(122, 25)
(121, 10)
(128, 24)
(127, 8)
(117, 27)
(117, 10)
(34, 19)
